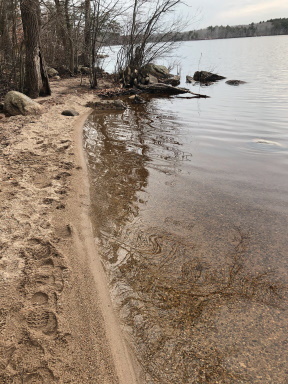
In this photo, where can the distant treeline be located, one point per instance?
(264, 28)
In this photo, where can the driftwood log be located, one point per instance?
(156, 89)
(166, 89)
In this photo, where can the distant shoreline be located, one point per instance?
(273, 27)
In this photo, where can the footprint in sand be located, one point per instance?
(6, 351)
(42, 320)
(40, 298)
(43, 285)
(41, 376)
(28, 355)
(39, 249)
(50, 267)
(50, 275)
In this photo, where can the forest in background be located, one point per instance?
(69, 35)
(264, 28)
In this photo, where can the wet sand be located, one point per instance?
(56, 319)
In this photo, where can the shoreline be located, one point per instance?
(57, 323)
(125, 364)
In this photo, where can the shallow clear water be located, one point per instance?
(189, 203)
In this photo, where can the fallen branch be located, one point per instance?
(199, 95)
(168, 90)
(158, 88)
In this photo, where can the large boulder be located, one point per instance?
(16, 103)
(207, 77)
(159, 71)
(148, 74)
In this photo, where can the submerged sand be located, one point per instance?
(56, 319)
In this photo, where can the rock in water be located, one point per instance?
(136, 99)
(189, 79)
(16, 103)
(207, 77)
(173, 80)
(235, 82)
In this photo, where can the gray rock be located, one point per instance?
(136, 99)
(70, 112)
(118, 104)
(52, 72)
(190, 80)
(159, 71)
(207, 77)
(235, 82)
(152, 79)
(16, 103)
(173, 80)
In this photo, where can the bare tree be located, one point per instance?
(150, 33)
(66, 20)
(102, 19)
(36, 79)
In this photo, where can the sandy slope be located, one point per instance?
(57, 324)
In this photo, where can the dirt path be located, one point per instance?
(57, 324)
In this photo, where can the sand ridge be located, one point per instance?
(57, 324)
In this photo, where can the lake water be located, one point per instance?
(190, 208)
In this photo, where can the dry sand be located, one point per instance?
(57, 324)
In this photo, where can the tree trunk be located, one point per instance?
(70, 38)
(61, 24)
(36, 79)
(87, 34)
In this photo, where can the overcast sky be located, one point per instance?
(234, 12)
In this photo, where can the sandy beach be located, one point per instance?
(56, 318)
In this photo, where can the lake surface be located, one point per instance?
(190, 209)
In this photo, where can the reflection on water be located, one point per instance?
(199, 279)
